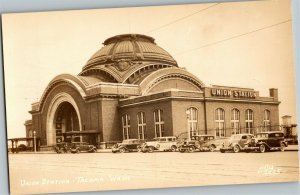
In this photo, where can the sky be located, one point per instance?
(243, 44)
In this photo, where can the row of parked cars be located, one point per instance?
(262, 142)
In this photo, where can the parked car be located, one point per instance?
(266, 141)
(198, 143)
(19, 148)
(62, 147)
(128, 145)
(161, 144)
(77, 147)
(237, 143)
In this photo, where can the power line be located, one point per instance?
(233, 37)
(182, 18)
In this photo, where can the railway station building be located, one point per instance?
(132, 88)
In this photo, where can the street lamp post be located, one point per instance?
(34, 140)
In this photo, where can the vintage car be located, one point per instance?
(237, 143)
(128, 145)
(20, 148)
(77, 147)
(266, 141)
(62, 147)
(198, 143)
(160, 144)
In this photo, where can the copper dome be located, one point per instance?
(129, 47)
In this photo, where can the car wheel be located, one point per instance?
(94, 150)
(77, 151)
(151, 149)
(122, 150)
(282, 147)
(58, 151)
(180, 149)
(222, 150)
(212, 148)
(236, 148)
(139, 149)
(173, 148)
(191, 149)
(262, 148)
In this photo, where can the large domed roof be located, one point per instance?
(133, 48)
(128, 65)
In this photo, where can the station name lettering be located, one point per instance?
(233, 93)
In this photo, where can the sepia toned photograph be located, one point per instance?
(150, 97)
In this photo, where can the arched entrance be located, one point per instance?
(63, 116)
(66, 120)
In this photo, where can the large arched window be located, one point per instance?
(192, 119)
(235, 121)
(249, 121)
(266, 121)
(159, 123)
(126, 126)
(141, 125)
(220, 122)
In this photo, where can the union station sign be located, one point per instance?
(233, 93)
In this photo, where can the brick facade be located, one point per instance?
(174, 107)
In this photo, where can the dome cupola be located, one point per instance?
(127, 58)
(124, 50)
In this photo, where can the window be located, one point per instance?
(126, 126)
(163, 140)
(192, 117)
(276, 135)
(141, 125)
(266, 121)
(235, 121)
(159, 123)
(262, 135)
(30, 134)
(170, 139)
(220, 122)
(249, 121)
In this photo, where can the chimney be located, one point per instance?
(274, 93)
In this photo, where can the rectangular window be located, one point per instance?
(220, 122)
(235, 121)
(159, 123)
(192, 121)
(249, 121)
(266, 121)
(141, 125)
(126, 126)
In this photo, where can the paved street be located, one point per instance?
(41, 173)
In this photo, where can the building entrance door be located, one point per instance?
(66, 120)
